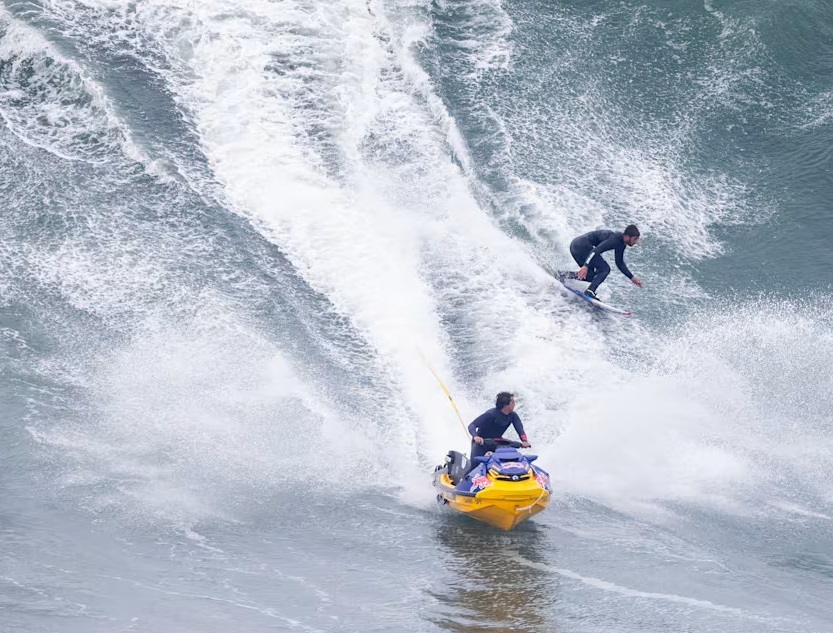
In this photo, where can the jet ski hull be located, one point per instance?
(500, 505)
(489, 495)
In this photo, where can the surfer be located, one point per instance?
(587, 250)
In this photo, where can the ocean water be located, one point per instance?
(235, 239)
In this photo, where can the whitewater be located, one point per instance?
(237, 238)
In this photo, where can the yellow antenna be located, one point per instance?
(447, 393)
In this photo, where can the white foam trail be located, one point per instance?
(796, 510)
(405, 219)
(604, 585)
(48, 101)
(344, 243)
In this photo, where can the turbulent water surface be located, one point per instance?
(235, 235)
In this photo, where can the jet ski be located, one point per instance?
(503, 489)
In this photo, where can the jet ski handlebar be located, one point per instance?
(499, 441)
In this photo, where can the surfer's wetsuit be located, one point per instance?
(493, 424)
(587, 250)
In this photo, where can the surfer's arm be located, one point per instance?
(620, 262)
(602, 247)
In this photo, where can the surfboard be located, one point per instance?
(577, 287)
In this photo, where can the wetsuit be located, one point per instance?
(493, 424)
(587, 250)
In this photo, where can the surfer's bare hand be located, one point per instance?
(582, 272)
(478, 439)
(525, 444)
(637, 282)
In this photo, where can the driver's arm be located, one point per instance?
(477, 423)
(519, 427)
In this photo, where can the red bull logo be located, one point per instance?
(481, 482)
(542, 480)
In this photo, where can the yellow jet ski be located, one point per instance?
(503, 489)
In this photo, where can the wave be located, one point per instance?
(362, 186)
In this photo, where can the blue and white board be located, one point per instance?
(577, 287)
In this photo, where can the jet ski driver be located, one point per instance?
(493, 424)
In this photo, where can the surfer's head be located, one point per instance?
(631, 234)
(505, 401)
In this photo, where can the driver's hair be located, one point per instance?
(503, 399)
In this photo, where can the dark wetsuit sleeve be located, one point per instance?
(620, 261)
(616, 244)
(609, 244)
(519, 427)
(478, 422)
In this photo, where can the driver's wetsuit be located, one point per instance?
(587, 250)
(493, 424)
